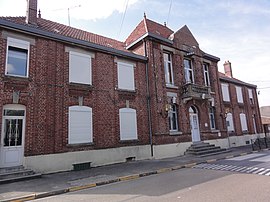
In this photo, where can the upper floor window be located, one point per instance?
(239, 94)
(225, 92)
(80, 125)
(125, 76)
(212, 117)
(206, 74)
(128, 124)
(168, 68)
(17, 58)
(173, 120)
(80, 68)
(243, 121)
(250, 95)
(189, 77)
(229, 122)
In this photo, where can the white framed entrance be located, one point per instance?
(12, 135)
(194, 124)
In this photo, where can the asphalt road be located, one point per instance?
(194, 185)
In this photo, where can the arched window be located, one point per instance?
(80, 125)
(128, 124)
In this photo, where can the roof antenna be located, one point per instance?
(144, 15)
(39, 14)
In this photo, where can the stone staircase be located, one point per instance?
(203, 149)
(18, 173)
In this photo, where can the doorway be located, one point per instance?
(194, 124)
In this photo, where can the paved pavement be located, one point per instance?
(58, 183)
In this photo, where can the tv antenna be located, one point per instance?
(68, 11)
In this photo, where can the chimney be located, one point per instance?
(31, 12)
(228, 69)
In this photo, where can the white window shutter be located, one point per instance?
(229, 119)
(225, 92)
(239, 94)
(80, 125)
(80, 68)
(128, 124)
(243, 122)
(125, 76)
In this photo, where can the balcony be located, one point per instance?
(193, 91)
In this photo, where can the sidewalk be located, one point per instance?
(53, 184)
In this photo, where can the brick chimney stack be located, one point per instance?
(228, 69)
(31, 12)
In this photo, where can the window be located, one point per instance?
(243, 121)
(173, 120)
(212, 117)
(17, 60)
(189, 77)
(168, 68)
(239, 94)
(125, 76)
(206, 74)
(250, 95)
(225, 92)
(128, 124)
(80, 125)
(229, 122)
(80, 68)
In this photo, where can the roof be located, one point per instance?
(265, 120)
(68, 31)
(147, 26)
(222, 76)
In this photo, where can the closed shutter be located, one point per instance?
(128, 124)
(229, 120)
(125, 76)
(80, 125)
(225, 92)
(80, 68)
(243, 122)
(239, 94)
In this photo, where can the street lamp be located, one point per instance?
(227, 110)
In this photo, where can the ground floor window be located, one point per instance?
(128, 124)
(212, 118)
(80, 125)
(173, 119)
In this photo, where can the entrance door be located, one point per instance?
(12, 136)
(194, 124)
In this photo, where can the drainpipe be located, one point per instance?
(148, 101)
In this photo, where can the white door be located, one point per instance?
(194, 124)
(12, 136)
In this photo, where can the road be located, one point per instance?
(187, 185)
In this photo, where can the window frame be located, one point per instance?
(168, 69)
(173, 111)
(19, 44)
(229, 118)
(250, 96)
(212, 118)
(206, 74)
(121, 83)
(243, 122)
(188, 71)
(84, 109)
(89, 69)
(124, 134)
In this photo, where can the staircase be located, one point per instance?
(203, 149)
(18, 173)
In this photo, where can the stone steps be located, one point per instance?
(18, 173)
(205, 149)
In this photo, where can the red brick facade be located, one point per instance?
(47, 93)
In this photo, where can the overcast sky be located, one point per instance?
(234, 30)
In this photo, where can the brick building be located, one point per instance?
(69, 96)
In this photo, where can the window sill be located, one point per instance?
(175, 133)
(129, 141)
(171, 86)
(126, 90)
(16, 83)
(215, 131)
(81, 144)
(80, 85)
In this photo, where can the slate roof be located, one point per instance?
(54, 27)
(222, 76)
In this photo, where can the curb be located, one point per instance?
(123, 178)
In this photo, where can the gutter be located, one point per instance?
(58, 37)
